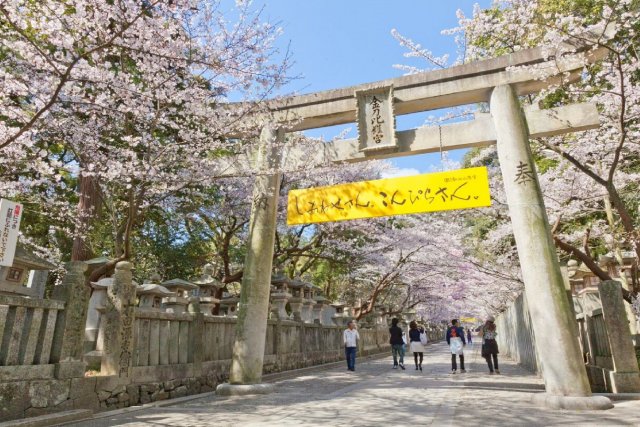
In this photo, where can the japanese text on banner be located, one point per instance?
(458, 189)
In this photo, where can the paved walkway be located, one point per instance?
(376, 395)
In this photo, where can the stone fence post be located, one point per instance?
(625, 378)
(38, 281)
(118, 318)
(69, 332)
(197, 337)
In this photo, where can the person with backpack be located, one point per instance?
(417, 341)
(456, 342)
(490, 345)
(397, 343)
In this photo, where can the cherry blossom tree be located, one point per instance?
(589, 178)
(127, 97)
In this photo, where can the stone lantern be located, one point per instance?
(27, 276)
(381, 316)
(229, 305)
(340, 318)
(279, 296)
(297, 299)
(150, 296)
(308, 302)
(318, 308)
(182, 298)
(208, 285)
(94, 314)
(409, 315)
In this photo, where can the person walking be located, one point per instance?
(456, 342)
(350, 338)
(417, 343)
(469, 336)
(490, 345)
(397, 344)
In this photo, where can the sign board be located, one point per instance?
(458, 189)
(376, 121)
(10, 215)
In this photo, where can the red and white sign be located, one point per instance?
(10, 215)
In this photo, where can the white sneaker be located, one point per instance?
(453, 372)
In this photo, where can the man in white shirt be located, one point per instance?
(350, 339)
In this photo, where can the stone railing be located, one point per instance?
(163, 338)
(27, 329)
(602, 330)
(141, 356)
(605, 339)
(515, 334)
(41, 348)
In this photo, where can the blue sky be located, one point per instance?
(337, 43)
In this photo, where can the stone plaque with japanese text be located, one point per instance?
(376, 121)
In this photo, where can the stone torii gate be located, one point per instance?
(497, 81)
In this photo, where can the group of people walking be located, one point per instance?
(456, 338)
(417, 340)
(456, 342)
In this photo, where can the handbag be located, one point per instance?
(485, 351)
(423, 338)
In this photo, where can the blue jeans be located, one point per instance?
(397, 350)
(350, 353)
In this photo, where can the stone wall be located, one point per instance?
(145, 355)
(515, 334)
(602, 330)
(200, 368)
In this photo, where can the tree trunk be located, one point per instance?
(88, 209)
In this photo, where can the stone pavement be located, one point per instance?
(377, 395)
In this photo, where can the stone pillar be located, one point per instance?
(68, 340)
(197, 336)
(251, 329)
(307, 311)
(118, 319)
(563, 370)
(318, 307)
(296, 304)
(279, 304)
(38, 281)
(626, 377)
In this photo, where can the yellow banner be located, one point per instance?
(458, 189)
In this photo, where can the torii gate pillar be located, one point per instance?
(565, 377)
(251, 327)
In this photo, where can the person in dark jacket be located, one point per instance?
(415, 344)
(490, 345)
(469, 335)
(456, 341)
(397, 344)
